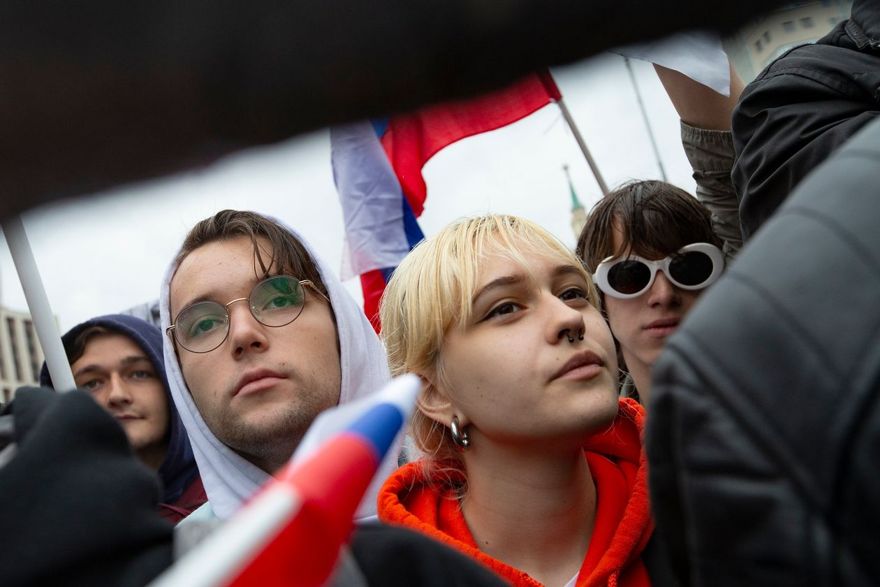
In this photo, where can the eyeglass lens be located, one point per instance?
(276, 301)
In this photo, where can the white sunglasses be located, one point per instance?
(695, 266)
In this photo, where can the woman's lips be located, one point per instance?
(583, 365)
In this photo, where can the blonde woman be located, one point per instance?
(531, 465)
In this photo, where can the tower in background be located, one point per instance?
(578, 214)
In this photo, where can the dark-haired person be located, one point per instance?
(652, 247)
(118, 360)
(652, 250)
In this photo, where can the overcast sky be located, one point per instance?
(105, 254)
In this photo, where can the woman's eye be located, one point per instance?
(502, 309)
(573, 293)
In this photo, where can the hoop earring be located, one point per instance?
(459, 434)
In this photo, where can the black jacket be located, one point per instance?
(78, 507)
(764, 430)
(801, 108)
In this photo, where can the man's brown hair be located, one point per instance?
(655, 219)
(288, 255)
(77, 346)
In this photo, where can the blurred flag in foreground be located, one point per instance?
(378, 172)
(292, 531)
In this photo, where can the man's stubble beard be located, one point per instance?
(271, 440)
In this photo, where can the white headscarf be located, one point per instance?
(229, 479)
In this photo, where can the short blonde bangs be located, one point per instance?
(432, 290)
(433, 287)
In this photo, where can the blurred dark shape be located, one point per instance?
(764, 434)
(100, 93)
(78, 507)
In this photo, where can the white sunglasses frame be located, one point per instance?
(600, 277)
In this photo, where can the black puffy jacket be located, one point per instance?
(764, 429)
(801, 108)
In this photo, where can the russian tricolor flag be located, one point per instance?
(292, 531)
(378, 172)
(380, 224)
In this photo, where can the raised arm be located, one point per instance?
(705, 135)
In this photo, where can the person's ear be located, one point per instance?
(434, 403)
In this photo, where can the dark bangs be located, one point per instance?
(655, 219)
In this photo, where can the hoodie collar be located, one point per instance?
(623, 517)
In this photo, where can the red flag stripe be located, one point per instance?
(412, 139)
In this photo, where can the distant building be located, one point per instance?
(21, 356)
(757, 44)
(148, 311)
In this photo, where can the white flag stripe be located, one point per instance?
(371, 197)
(401, 391)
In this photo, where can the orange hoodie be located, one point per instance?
(623, 522)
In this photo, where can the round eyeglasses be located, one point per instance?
(276, 301)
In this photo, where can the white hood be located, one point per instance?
(229, 479)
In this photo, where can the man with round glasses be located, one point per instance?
(652, 250)
(260, 339)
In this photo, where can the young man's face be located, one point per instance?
(118, 374)
(260, 390)
(642, 324)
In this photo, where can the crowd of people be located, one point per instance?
(587, 417)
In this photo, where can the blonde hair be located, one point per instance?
(432, 291)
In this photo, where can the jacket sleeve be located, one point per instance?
(801, 109)
(710, 153)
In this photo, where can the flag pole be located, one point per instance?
(583, 145)
(38, 302)
(632, 79)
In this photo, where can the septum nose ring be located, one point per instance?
(568, 335)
